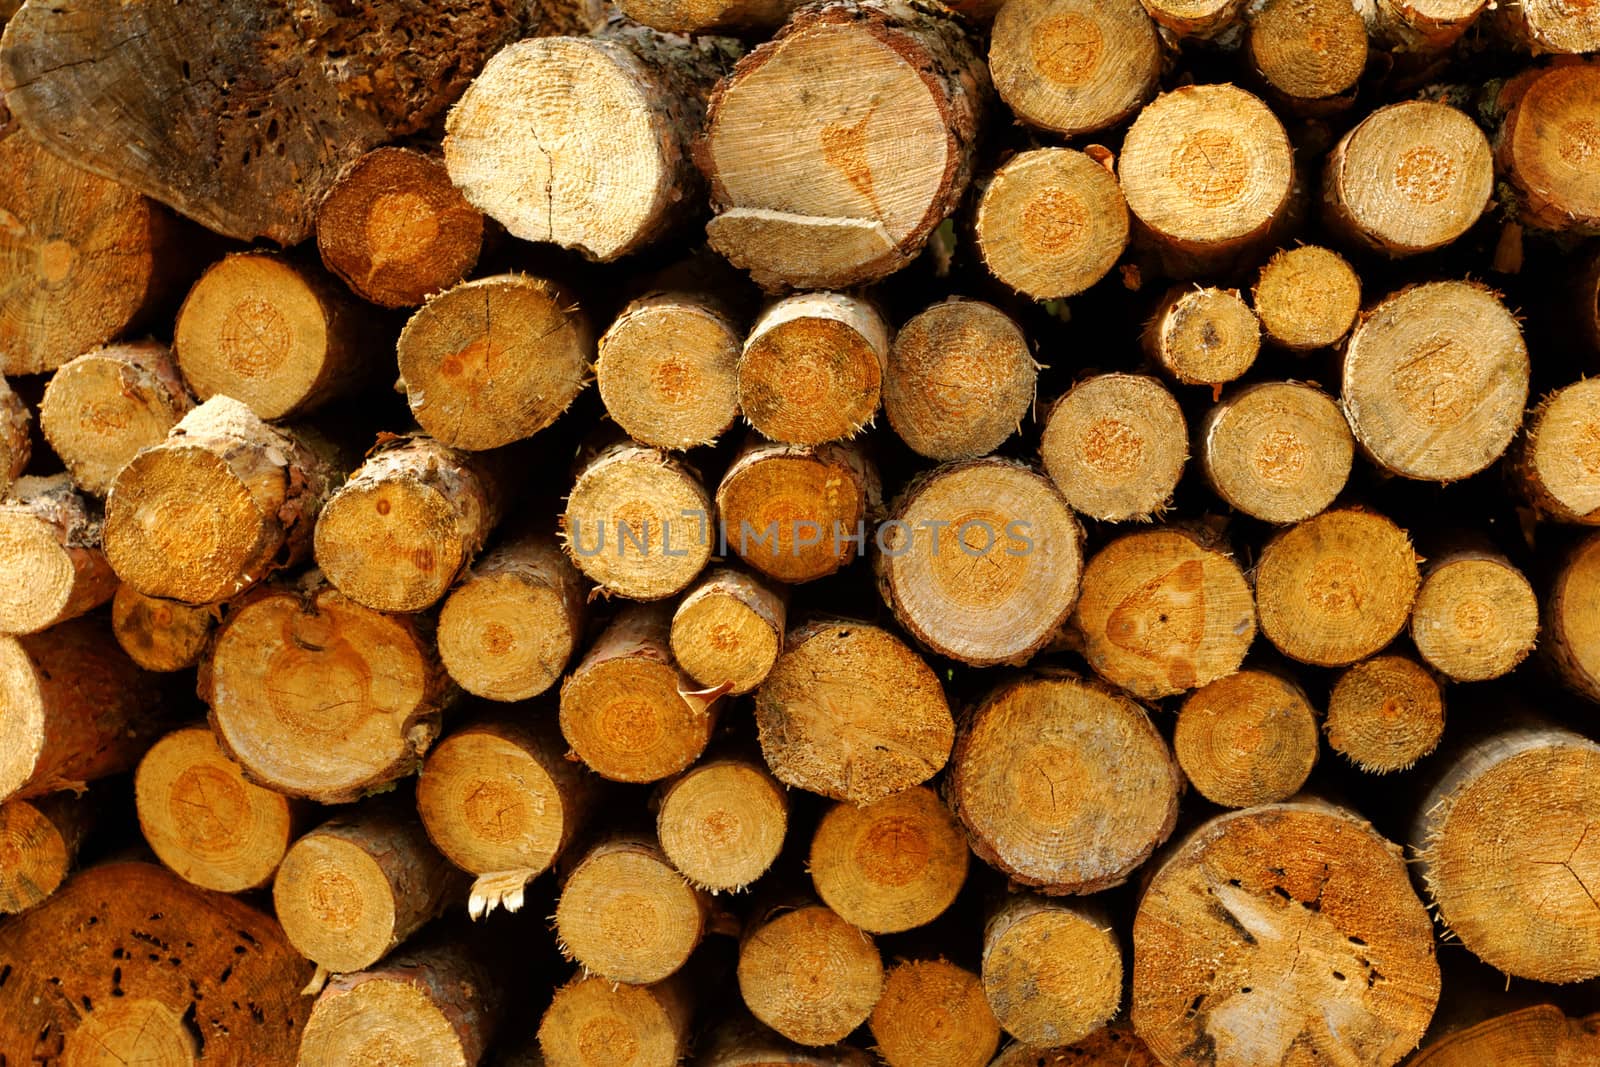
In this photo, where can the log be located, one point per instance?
(797, 513)
(101, 408)
(1115, 1045)
(1420, 27)
(1506, 855)
(960, 380)
(812, 368)
(743, 1042)
(1115, 445)
(207, 822)
(16, 446)
(1073, 66)
(1203, 335)
(1307, 298)
(1052, 222)
(494, 360)
(1203, 20)
(1385, 713)
(807, 973)
(638, 522)
(933, 1014)
(668, 370)
(1540, 1036)
(1062, 784)
(1277, 451)
(595, 1020)
(128, 963)
(1282, 931)
(222, 503)
(703, 16)
(1555, 463)
(351, 890)
(1476, 616)
(850, 712)
(626, 914)
(1546, 139)
(407, 522)
(499, 799)
(892, 865)
(728, 630)
(395, 230)
(627, 709)
(1336, 588)
(1164, 611)
(722, 822)
(511, 624)
(895, 92)
(1309, 52)
(1570, 622)
(160, 635)
(39, 842)
(1052, 971)
(316, 696)
(239, 115)
(620, 108)
(1548, 26)
(1245, 739)
(77, 709)
(51, 564)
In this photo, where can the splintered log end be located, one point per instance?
(1277, 451)
(812, 368)
(1115, 446)
(933, 1014)
(1203, 336)
(1307, 298)
(891, 865)
(498, 889)
(1385, 713)
(783, 987)
(1074, 67)
(722, 823)
(1052, 971)
(668, 371)
(782, 249)
(626, 914)
(1245, 739)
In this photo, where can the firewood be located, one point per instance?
(219, 505)
(723, 821)
(797, 513)
(1074, 66)
(808, 974)
(51, 564)
(499, 799)
(16, 447)
(895, 92)
(1555, 464)
(1204, 20)
(594, 1019)
(1115, 1045)
(626, 914)
(1550, 26)
(1307, 298)
(960, 380)
(77, 709)
(248, 124)
(395, 230)
(1038, 800)
(1570, 623)
(728, 630)
(1507, 856)
(628, 710)
(812, 368)
(319, 697)
(39, 842)
(933, 1014)
(1163, 611)
(638, 522)
(1052, 971)
(513, 621)
(668, 370)
(1203, 335)
(979, 560)
(891, 865)
(1309, 52)
(1547, 139)
(1278, 451)
(1541, 1036)
(743, 1042)
(893, 731)
(703, 16)
(1052, 222)
(1476, 617)
(160, 635)
(104, 406)
(1115, 446)
(1245, 739)
(1300, 907)
(1385, 713)
(1420, 27)
(1336, 588)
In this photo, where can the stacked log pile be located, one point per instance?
(1081, 548)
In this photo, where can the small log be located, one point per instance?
(1385, 713)
(1115, 445)
(1280, 452)
(51, 564)
(960, 380)
(1555, 464)
(812, 368)
(1549, 26)
(1052, 971)
(1042, 804)
(494, 360)
(16, 445)
(893, 92)
(1302, 908)
(933, 1014)
(208, 823)
(668, 370)
(1203, 335)
(1115, 1045)
(1307, 298)
(722, 822)
(511, 624)
(979, 560)
(1570, 621)
(1507, 854)
(1547, 136)
(319, 697)
(594, 1019)
(626, 914)
(219, 505)
(1541, 1036)
(1420, 27)
(744, 1042)
(728, 630)
(102, 408)
(1309, 52)
(704, 16)
(1203, 20)
(893, 732)
(891, 865)
(395, 230)
(1476, 616)
(160, 635)
(38, 847)
(786, 984)
(1246, 739)
(1163, 611)
(1336, 588)
(1074, 66)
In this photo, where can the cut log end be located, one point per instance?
(728, 631)
(1052, 222)
(701, 16)
(1547, 143)
(592, 1018)
(160, 635)
(795, 513)
(38, 844)
(1052, 971)
(1556, 464)
(723, 823)
(1074, 67)
(933, 1014)
(812, 368)
(1309, 51)
(1115, 446)
(668, 371)
(433, 1006)
(16, 446)
(1543, 1029)
(627, 915)
(1278, 451)
(1203, 336)
(1249, 738)
(1476, 617)
(1551, 26)
(1307, 298)
(1572, 620)
(809, 975)
(891, 865)
(51, 565)
(1110, 1046)
(1385, 713)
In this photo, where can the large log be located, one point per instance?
(1277, 451)
(1555, 464)
(812, 368)
(1476, 615)
(1547, 141)
(593, 1021)
(1540, 1036)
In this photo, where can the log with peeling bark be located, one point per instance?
(51, 564)
(1555, 463)
(1549, 26)
(1278, 451)
(1306, 298)
(1203, 20)
(933, 1014)
(1422, 27)
(722, 823)
(1074, 67)
(39, 842)
(1115, 445)
(592, 1016)
(782, 984)
(1385, 713)
(728, 630)
(1247, 738)
(668, 369)
(1052, 970)
(812, 368)
(1203, 335)
(16, 446)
